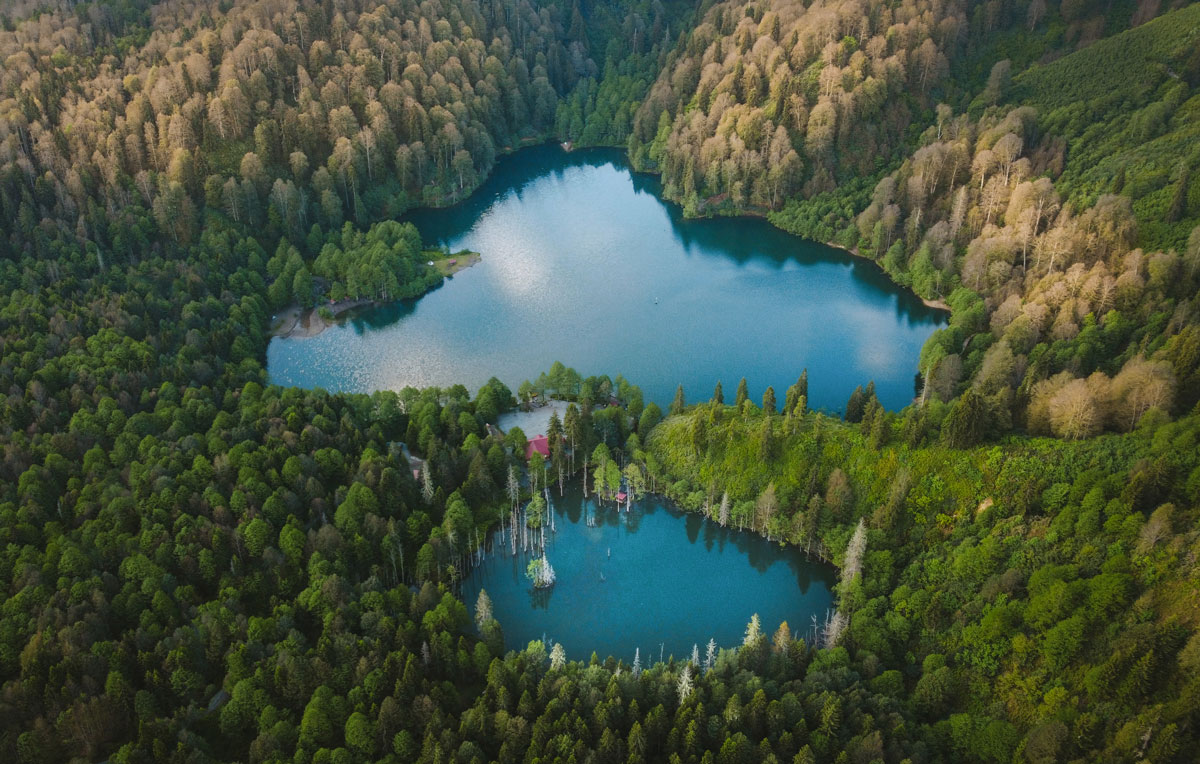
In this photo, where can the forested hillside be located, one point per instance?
(1062, 230)
(1035, 598)
(282, 114)
(764, 101)
(198, 566)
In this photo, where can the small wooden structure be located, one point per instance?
(539, 444)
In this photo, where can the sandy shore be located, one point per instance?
(295, 321)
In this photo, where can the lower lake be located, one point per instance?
(653, 579)
(582, 262)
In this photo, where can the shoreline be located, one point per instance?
(570, 146)
(452, 264)
(295, 322)
(938, 304)
(765, 215)
(302, 325)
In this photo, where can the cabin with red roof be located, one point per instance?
(540, 444)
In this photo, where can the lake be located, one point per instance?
(670, 580)
(584, 263)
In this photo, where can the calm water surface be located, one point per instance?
(584, 263)
(653, 578)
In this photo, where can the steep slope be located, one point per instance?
(764, 101)
(1129, 111)
(1063, 232)
(280, 114)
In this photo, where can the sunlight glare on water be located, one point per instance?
(584, 263)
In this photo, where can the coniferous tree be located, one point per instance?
(678, 404)
(742, 394)
(483, 608)
(855, 406)
(160, 204)
(684, 687)
(795, 393)
(967, 423)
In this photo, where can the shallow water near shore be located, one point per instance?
(654, 579)
(584, 263)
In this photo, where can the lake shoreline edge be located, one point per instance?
(295, 322)
(751, 214)
(831, 582)
(568, 147)
(935, 304)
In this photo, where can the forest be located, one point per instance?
(196, 565)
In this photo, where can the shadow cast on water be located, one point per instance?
(512, 174)
(382, 316)
(539, 599)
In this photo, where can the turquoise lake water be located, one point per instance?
(654, 579)
(585, 264)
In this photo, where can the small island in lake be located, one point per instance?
(541, 573)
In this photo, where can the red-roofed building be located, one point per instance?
(540, 444)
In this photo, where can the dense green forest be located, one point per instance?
(1030, 600)
(199, 566)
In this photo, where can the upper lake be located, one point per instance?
(584, 263)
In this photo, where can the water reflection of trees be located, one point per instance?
(571, 506)
(632, 520)
(512, 175)
(737, 239)
(573, 509)
(381, 317)
(760, 552)
(743, 239)
(713, 536)
(692, 525)
(539, 599)
(581, 554)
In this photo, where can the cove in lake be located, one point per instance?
(584, 263)
(673, 579)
